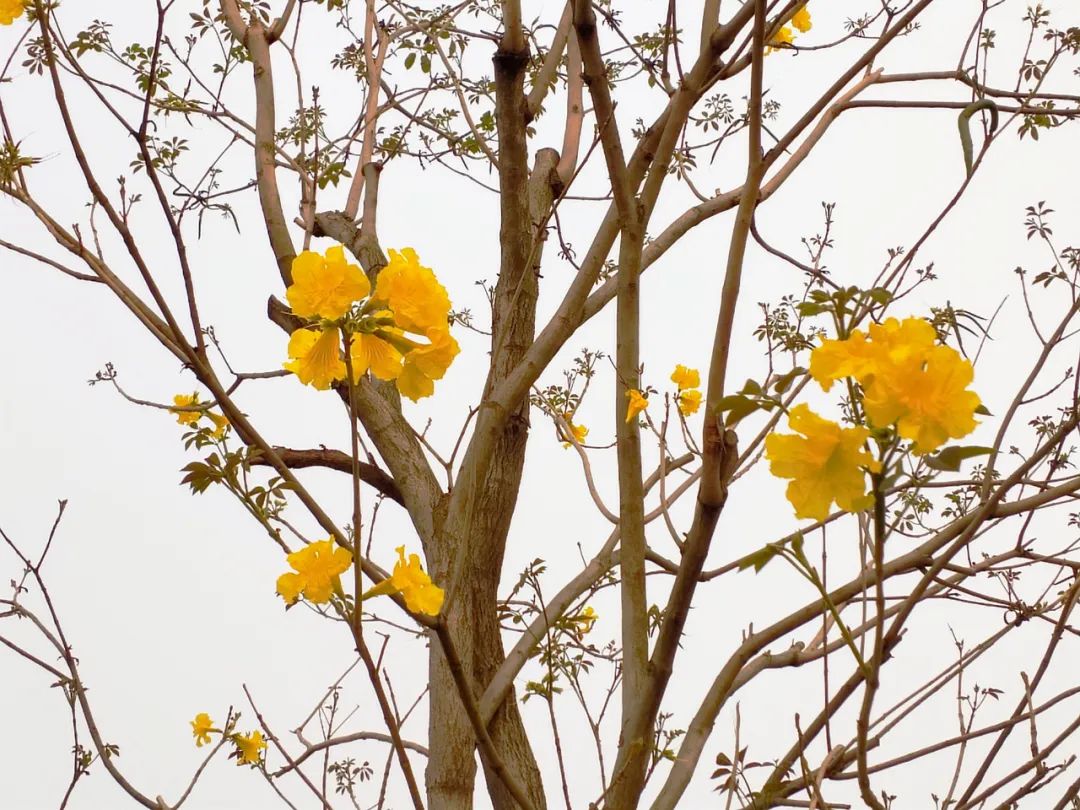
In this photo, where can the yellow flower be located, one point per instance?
(371, 352)
(784, 36)
(184, 401)
(825, 464)
(689, 401)
(907, 379)
(579, 432)
(249, 748)
(201, 727)
(316, 357)
(9, 10)
(890, 344)
(427, 363)
(686, 377)
(221, 424)
(317, 567)
(638, 403)
(325, 287)
(419, 302)
(412, 582)
(926, 398)
(801, 19)
(584, 621)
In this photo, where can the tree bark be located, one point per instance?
(469, 553)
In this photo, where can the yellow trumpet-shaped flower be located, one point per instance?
(249, 748)
(907, 379)
(801, 19)
(411, 291)
(413, 583)
(689, 401)
(584, 621)
(10, 10)
(201, 727)
(579, 432)
(316, 357)
(637, 404)
(221, 424)
(185, 401)
(427, 363)
(826, 464)
(785, 36)
(316, 571)
(325, 287)
(926, 398)
(371, 352)
(685, 377)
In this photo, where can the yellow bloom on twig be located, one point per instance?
(371, 352)
(201, 727)
(325, 287)
(427, 363)
(689, 401)
(584, 621)
(186, 401)
(685, 377)
(908, 380)
(10, 10)
(411, 291)
(638, 403)
(801, 19)
(825, 463)
(316, 571)
(579, 432)
(249, 748)
(316, 357)
(221, 424)
(784, 36)
(413, 583)
(927, 399)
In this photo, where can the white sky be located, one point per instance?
(168, 599)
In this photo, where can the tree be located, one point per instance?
(195, 89)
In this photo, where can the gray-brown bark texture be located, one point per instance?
(469, 552)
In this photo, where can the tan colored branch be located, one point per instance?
(545, 77)
(374, 66)
(255, 38)
(575, 112)
(370, 474)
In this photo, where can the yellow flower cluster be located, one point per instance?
(688, 396)
(221, 422)
(908, 382)
(316, 571)
(400, 331)
(413, 583)
(800, 20)
(10, 10)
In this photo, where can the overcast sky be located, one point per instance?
(168, 598)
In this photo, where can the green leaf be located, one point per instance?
(737, 406)
(783, 383)
(760, 558)
(751, 387)
(949, 459)
(808, 310)
(982, 410)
